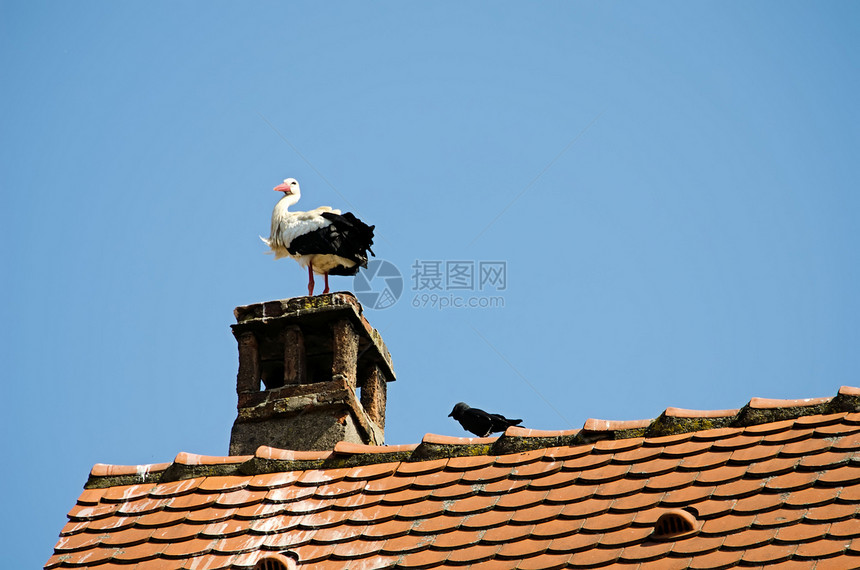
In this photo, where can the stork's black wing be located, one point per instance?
(346, 236)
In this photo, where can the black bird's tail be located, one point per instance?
(501, 423)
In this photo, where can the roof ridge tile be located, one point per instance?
(266, 452)
(434, 446)
(349, 448)
(517, 431)
(109, 470)
(767, 410)
(785, 403)
(689, 413)
(194, 459)
(437, 439)
(190, 466)
(681, 420)
(592, 424)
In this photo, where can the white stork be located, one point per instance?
(322, 240)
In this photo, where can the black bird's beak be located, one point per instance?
(451, 415)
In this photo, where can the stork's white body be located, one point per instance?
(287, 225)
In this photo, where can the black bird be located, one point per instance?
(480, 422)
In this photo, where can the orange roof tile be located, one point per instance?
(776, 483)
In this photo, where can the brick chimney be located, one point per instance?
(302, 362)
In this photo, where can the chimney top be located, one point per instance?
(301, 363)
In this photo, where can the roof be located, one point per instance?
(776, 482)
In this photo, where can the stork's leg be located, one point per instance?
(310, 279)
(326, 283)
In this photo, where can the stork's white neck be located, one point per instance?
(288, 200)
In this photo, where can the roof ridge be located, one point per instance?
(672, 421)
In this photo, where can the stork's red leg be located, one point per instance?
(326, 283)
(310, 279)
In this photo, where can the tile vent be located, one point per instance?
(674, 524)
(275, 562)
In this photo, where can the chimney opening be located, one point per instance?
(319, 367)
(272, 374)
(674, 524)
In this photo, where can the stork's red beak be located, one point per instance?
(282, 188)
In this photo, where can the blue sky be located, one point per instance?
(672, 187)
